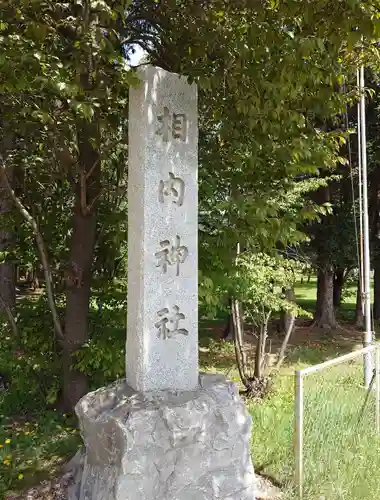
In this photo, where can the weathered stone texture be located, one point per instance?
(162, 233)
(191, 445)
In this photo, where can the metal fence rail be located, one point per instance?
(360, 397)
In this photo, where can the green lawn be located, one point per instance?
(306, 296)
(341, 457)
(342, 461)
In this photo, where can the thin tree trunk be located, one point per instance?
(79, 271)
(228, 332)
(41, 249)
(260, 352)
(261, 349)
(238, 343)
(338, 287)
(325, 314)
(285, 342)
(287, 318)
(359, 316)
(7, 267)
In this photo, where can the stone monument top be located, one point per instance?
(162, 335)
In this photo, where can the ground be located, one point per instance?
(34, 448)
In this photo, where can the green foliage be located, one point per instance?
(260, 284)
(271, 99)
(66, 62)
(102, 358)
(31, 361)
(335, 239)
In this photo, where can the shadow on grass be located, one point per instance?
(306, 347)
(316, 352)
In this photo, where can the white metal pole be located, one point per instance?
(368, 358)
(361, 273)
(298, 449)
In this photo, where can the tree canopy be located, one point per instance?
(275, 79)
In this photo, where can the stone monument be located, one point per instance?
(166, 432)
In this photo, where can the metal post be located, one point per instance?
(377, 395)
(361, 275)
(298, 448)
(368, 358)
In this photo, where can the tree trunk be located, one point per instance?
(285, 342)
(325, 314)
(359, 316)
(240, 355)
(287, 318)
(41, 249)
(338, 287)
(376, 291)
(7, 267)
(260, 356)
(228, 333)
(79, 272)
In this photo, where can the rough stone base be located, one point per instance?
(165, 446)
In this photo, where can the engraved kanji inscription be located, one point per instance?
(179, 126)
(174, 187)
(165, 125)
(172, 125)
(168, 324)
(171, 255)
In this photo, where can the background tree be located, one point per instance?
(66, 63)
(266, 74)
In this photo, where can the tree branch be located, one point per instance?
(91, 171)
(41, 248)
(285, 342)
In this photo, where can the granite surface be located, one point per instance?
(192, 445)
(162, 335)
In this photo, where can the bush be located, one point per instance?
(32, 363)
(102, 358)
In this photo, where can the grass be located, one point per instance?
(342, 461)
(340, 442)
(34, 448)
(341, 457)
